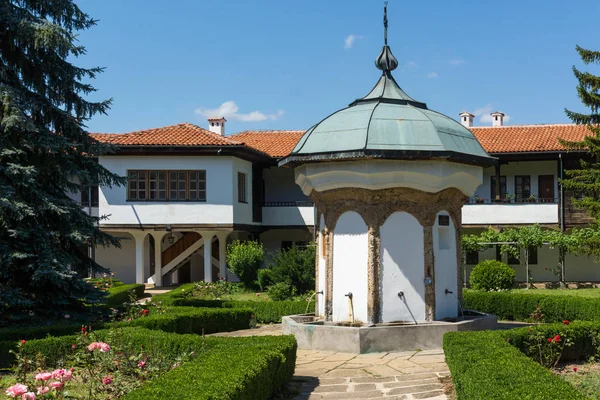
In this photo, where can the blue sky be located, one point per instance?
(273, 64)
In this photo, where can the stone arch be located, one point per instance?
(402, 269)
(350, 260)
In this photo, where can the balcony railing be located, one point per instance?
(481, 200)
(288, 204)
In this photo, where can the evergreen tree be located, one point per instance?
(45, 153)
(586, 179)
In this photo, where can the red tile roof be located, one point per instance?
(276, 144)
(528, 138)
(174, 135)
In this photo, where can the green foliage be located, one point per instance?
(515, 306)
(46, 153)
(236, 368)
(295, 266)
(118, 295)
(265, 278)
(244, 259)
(586, 179)
(484, 365)
(492, 275)
(211, 290)
(281, 291)
(224, 368)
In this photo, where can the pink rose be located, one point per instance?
(141, 364)
(22, 341)
(104, 347)
(67, 376)
(107, 380)
(16, 390)
(57, 385)
(28, 396)
(43, 376)
(43, 390)
(93, 346)
(58, 373)
(73, 346)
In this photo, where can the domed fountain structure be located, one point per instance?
(389, 177)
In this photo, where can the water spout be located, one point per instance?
(350, 307)
(310, 298)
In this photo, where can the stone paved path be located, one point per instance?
(403, 375)
(393, 376)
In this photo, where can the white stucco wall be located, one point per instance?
(350, 258)
(402, 269)
(121, 261)
(280, 186)
(521, 213)
(293, 216)
(446, 269)
(218, 207)
(242, 212)
(321, 276)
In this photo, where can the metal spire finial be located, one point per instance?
(385, 22)
(386, 60)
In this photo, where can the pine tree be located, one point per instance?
(45, 153)
(586, 179)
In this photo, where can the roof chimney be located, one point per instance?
(217, 125)
(497, 118)
(466, 119)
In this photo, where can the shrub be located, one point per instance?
(194, 320)
(484, 365)
(211, 290)
(492, 275)
(117, 295)
(294, 266)
(271, 312)
(281, 291)
(265, 278)
(244, 259)
(236, 368)
(514, 306)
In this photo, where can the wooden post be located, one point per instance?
(497, 194)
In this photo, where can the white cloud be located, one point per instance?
(433, 75)
(456, 62)
(230, 109)
(350, 39)
(484, 114)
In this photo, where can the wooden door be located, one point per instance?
(546, 188)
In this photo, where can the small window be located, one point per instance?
(512, 260)
(157, 185)
(522, 187)
(177, 186)
(502, 187)
(136, 185)
(443, 220)
(472, 257)
(85, 196)
(197, 185)
(496, 118)
(212, 124)
(242, 188)
(532, 259)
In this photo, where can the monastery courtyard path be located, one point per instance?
(330, 375)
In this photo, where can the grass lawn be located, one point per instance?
(586, 379)
(592, 292)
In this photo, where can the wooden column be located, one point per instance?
(497, 194)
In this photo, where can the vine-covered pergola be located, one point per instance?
(512, 240)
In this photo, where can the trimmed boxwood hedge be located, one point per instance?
(513, 306)
(494, 364)
(225, 368)
(117, 295)
(194, 320)
(483, 365)
(265, 312)
(237, 368)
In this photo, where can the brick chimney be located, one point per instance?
(217, 125)
(497, 118)
(466, 119)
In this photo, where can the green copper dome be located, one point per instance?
(388, 124)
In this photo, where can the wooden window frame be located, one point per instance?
(242, 177)
(197, 182)
(522, 197)
(493, 187)
(167, 180)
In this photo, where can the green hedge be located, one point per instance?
(265, 312)
(227, 368)
(519, 307)
(484, 365)
(238, 368)
(194, 320)
(40, 332)
(117, 295)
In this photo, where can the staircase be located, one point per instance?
(185, 242)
